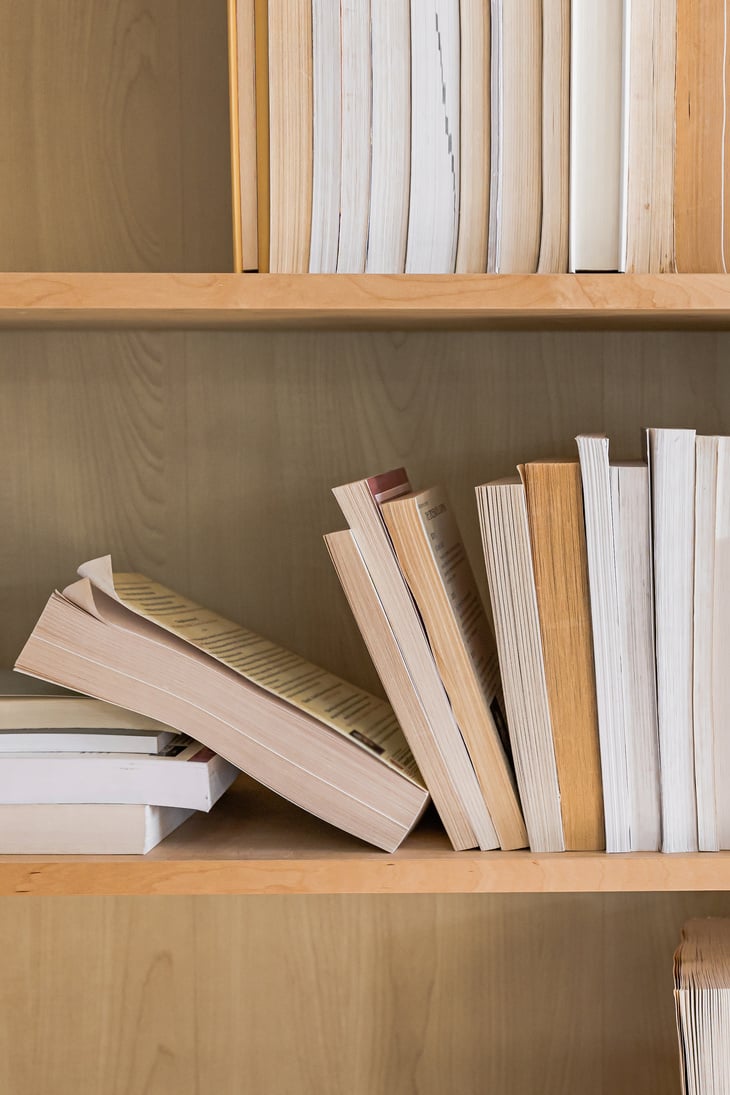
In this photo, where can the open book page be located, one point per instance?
(343, 707)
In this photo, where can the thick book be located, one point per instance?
(326, 136)
(711, 641)
(702, 1005)
(515, 209)
(557, 538)
(598, 135)
(327, 746)
(390, 182)
(433, 217)
(290, 135)
(86, 828)
(356, 79)
(508, 559)
(187, 775)
(651, 59)
(671, 459)
(619, 573)
(471, 254)
(361, 503)
(433, 558)
(244, 169)
(555, 137)
(702, 152)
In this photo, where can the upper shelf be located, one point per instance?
(255, 843)
(369, 301)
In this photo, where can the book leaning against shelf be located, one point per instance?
(325, 745)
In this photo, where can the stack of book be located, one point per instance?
(702, 1003)
(81, 776)
(441, 136)
(324, 744)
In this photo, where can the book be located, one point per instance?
(326, 137)
(186, 774)
(515, 209)
(382, 645)
(391, 136)
(702, 1005)
(555, 158)
(671, 459)
(261, 35)
(360, 503)
(329, 747)
(652, 45)
(433, 218)
(508, 558)
(432, 555)
(557, 537)
(711, 641)
(242, 84)
(86, 828)
(619, 574)
(701, 154)
(598, 135)
(356, 125)
(474, 174)
(290, 135)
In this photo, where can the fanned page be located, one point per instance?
(356, 120)
(349, 710)
(435, 162)
(555, 136)
(516, 134)
(327, 149)
(471, 255)
(652, 44)
(598, 133)
(290, 135)
(391, 136)
(702, 155)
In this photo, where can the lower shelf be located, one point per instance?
(254, 843)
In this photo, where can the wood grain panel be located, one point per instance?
(115, 131)
(325, 995)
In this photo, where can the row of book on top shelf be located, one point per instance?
(441, 136)
(596, 718)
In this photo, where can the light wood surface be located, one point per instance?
(355, 302)
(255, 843)
(115, 131)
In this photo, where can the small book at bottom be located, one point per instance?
(86, 828)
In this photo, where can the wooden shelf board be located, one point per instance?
(591, 301)
(254, 843)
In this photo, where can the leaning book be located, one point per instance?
(325, 745)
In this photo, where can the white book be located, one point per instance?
(508, 557)
(391, 136)
(671, 458)
(188, 775)
(86, 828)
(327, 137)
(598, 134)
(86, 741)
(433, 220)
(631, 515)
(356, 121)
(515, 201)
(711, 692)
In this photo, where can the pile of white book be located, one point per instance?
(80, 776)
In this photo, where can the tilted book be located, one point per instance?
(324, 744)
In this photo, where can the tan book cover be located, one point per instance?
(242, 84)
(432, 555)
(701, 200)
(557, 535)
(290, 135)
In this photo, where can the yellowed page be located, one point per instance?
(345, 708)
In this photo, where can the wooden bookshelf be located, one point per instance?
(255, 843)
(352, 302)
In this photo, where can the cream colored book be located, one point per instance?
(244, 170)
(433, 558)
(326, 137)
(329, 747)
(356, 69)
(471, 254)
(361, 504)
(555, 137)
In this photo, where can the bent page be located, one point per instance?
(343, 707)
